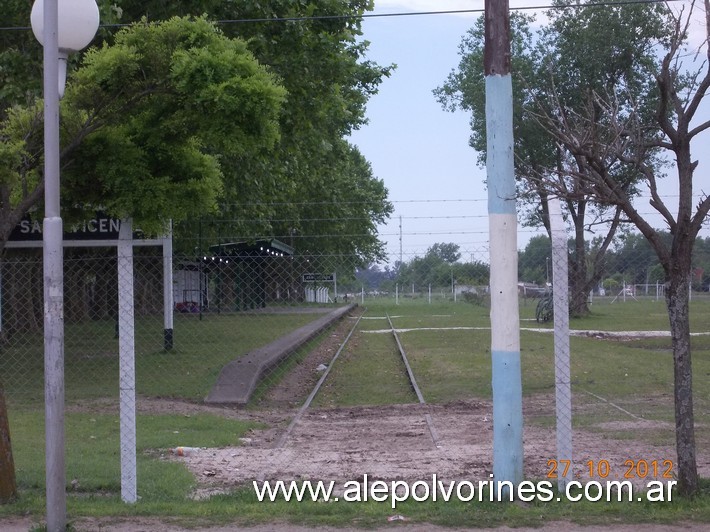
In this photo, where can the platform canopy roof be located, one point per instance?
(252, 249)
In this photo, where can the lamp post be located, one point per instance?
(62, 27)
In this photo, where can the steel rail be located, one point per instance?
(282, 439)
(413, 382)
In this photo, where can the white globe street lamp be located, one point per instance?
(77, 22)
(61, 26)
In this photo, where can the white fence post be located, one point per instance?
(127, 363)
(563, 391)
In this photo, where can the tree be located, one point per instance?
(629, 138)
(21, 53)
(314, 179)
(372, 277)
(440, 267)
(634, 258)
(8, 484)
(474, 273)
(446, 252)
(534, 262)
(145, 123)
(320, 63)
(610, 132)
(576, 48)
(20, 57)
(701, 264)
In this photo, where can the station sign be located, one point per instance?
(98, 228)
(318, 277)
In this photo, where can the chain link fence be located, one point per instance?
(236, 300)
(224, 306)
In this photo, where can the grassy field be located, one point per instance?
(448, 345)
(636, 374)
(188, 371)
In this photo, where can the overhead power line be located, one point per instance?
(396, 14)
(442, 12)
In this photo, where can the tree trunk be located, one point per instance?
(678, 306)
(8, 486)
(579, 297)
(578, 263)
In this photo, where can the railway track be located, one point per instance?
(280, 442)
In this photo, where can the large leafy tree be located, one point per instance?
(321, 63)
(21, 54)
(565, 63)
(145, 124)
(313, 173)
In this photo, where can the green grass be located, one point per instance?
(646, 314)
(242, 507)
(93, 452)
(608, 375)
(450, 365)
(369, 367)
(188, 371)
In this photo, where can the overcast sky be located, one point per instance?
(419, 150)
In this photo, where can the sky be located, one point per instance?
(420, 151)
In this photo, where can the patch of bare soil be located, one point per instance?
(393, 442)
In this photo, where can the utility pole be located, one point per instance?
(505, 320)
(400, 241)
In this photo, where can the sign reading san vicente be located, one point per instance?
(101, 227)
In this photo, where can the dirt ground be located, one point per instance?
(394, 443)
(142, 524)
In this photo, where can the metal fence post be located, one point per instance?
(563, 391)
(127, 362)
(168, 303)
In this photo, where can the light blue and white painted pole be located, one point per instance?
(505, 321)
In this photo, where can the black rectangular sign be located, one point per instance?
(101, 227)
(315, 277)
